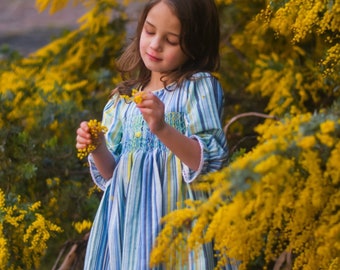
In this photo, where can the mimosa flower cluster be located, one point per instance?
(24, 233)
(290, 85)
(95, 129)
(136, 96)
(283, 196)
(82, 226)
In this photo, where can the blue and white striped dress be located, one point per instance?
(149, 180)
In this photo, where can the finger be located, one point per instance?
(146, 111)
(84, 126)
(83, 139)
(80, 145)
(149, 101)
(82, 136)
(147, 95)
(83, 133)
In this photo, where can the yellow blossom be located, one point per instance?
(136, 96)
(35, 206)
(327, 127)
(49, 182)
(39, 232)
(325, 139)
(52, 203)
(82, 226)
(2, 199)
(93, 189)
(307, 142)
(267, 164)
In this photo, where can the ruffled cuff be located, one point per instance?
(190, 175)
(100, 181)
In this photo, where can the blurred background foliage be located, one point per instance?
(280, 61)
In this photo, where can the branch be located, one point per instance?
(241, 141)
(75, 256)
(284, 262)
(235, 118)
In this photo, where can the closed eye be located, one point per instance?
(149, 29)
(149, 32)
(171, 42)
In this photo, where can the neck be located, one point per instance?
(155, 83)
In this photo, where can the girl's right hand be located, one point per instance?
(102, 157)
(83, 136)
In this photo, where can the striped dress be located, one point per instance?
(149, 180)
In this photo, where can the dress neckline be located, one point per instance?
(159, 89)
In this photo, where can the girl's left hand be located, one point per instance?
(152, 110)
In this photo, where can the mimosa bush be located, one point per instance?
(24, 233)
(283, 197)
(43, 97)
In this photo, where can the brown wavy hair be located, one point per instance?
(199, 40)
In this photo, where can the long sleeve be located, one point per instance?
(111, 120)
(204, 111)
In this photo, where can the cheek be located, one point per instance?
(171, 54)
(177, 57)
(142, 43)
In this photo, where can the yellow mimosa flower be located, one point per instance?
(95, 128)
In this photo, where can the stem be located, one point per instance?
(247, 114)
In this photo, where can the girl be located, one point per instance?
(154, 150)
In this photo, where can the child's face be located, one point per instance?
(159, 42)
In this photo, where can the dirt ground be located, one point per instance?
(24, 29)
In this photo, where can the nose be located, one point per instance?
(156, 43)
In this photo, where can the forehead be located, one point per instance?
(162, 16)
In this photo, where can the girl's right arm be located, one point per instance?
(102, 157)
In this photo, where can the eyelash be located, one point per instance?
(168, 41)
(172, 43)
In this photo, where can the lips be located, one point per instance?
(153, 58)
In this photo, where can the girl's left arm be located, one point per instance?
(187, 149)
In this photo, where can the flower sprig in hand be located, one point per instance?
(136, 96)
(95, 128)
